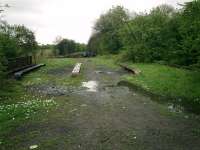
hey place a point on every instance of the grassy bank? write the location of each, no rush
(184, 85)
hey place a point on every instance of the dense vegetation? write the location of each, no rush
(165, 35)
(61, 47)
(15, 41)
(66, 46)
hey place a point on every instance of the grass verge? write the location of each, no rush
(179, 84)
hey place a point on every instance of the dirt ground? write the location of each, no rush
(110, 117)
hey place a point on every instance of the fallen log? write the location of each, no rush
(130, 69)
(19, 74)
(76, 69)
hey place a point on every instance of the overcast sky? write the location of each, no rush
(71, 19)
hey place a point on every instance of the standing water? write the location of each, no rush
(91, 86)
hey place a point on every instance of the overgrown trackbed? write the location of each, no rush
(105, 117)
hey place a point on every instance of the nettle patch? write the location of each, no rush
(24, 110)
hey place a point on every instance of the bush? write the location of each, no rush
(15, 41)
(165, 34)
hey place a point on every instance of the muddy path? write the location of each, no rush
(104, 116)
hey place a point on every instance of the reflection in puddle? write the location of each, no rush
(104, 72)
(91, 85)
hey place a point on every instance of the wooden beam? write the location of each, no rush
(130, 69)
(76, 69)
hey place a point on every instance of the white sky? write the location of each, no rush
(72, 19)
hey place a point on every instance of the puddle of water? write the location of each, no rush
(109, 72)
(90, 85)
(104, 72)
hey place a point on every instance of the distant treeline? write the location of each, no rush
(64, 47)
(165, 34)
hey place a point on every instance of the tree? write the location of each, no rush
(25, 39)
(107, 28)
(165, 34)
(190, 33)
(66, 47)
(80, 47)
(142, 36)
(16, 40)
(93, 43)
